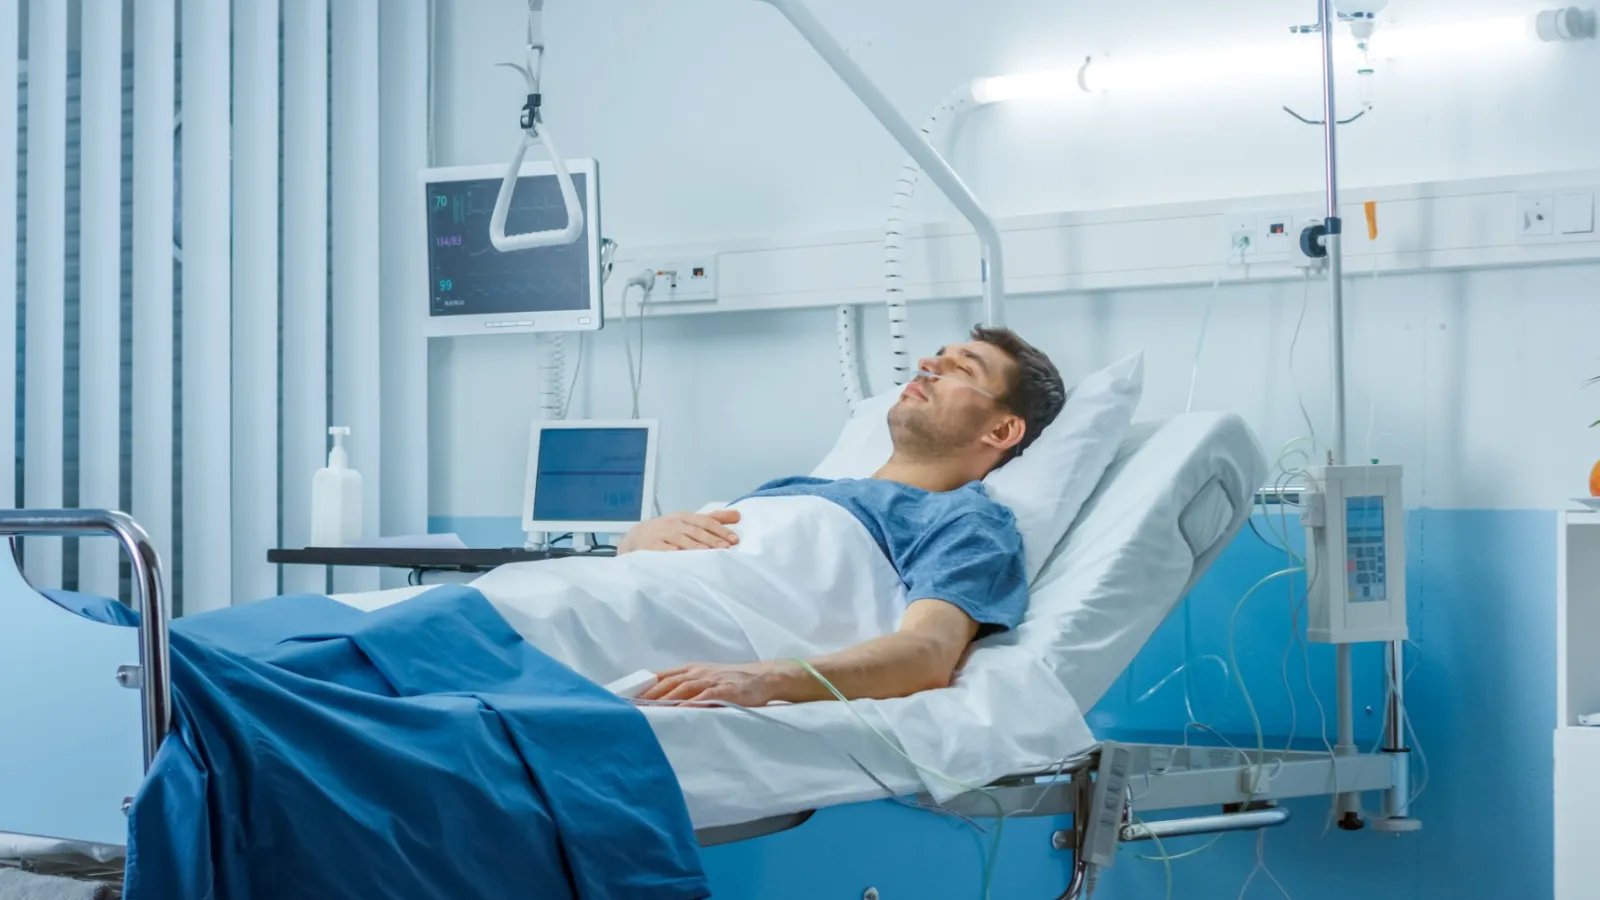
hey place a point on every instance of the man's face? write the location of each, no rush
(956, 411)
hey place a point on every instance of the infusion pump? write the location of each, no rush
(1356, 560)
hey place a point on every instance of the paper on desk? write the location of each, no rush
(451, 541)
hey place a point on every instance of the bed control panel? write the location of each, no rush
(1110, 798)
(1356, 569)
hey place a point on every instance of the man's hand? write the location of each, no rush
(751, 684)
(683, 531)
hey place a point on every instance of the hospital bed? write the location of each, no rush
(96, 699)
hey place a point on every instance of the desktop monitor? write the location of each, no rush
(589, 476)
(474, 288)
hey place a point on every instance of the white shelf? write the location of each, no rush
(1577, 809)
(1577, 748)
(1577, 616)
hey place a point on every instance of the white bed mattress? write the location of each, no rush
(1177, 492)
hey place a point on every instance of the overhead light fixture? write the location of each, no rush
(1032, 86)
(1099, 74)
(1458, 37)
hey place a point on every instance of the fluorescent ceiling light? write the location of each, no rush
(1459, 37)
(1005, 88)
(1104, 74)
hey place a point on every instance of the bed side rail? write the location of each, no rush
(153, 674)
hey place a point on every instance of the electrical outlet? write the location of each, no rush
(685, 279)
(1562, 215)
(1537, 217)
(1241, 236)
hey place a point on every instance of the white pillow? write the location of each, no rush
(1046, 486)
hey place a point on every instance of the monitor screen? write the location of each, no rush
(469, 277)
(591, 475)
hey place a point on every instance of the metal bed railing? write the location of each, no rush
(153, 676)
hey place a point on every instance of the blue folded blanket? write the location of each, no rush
(421, 751)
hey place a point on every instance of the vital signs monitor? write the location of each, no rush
(589, 476)
(474, 288)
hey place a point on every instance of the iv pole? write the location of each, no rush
(1396, 799)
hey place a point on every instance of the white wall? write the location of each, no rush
(714, 122)
(1473, 380)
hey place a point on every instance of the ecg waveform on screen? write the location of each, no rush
(467, 205)
(468, 276)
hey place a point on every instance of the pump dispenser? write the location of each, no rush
(336, 498)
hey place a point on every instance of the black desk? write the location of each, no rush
(469, 561)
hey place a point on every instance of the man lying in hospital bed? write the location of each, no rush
(957, 553)
(880, 583)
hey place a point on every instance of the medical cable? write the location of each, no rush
(1294, 380)
(934, 130)
(645, 281)
(1240, 246)
(1261, 866)
(847, 318)
(638, 385)
(1261, 749)
(554, 364)
(1280, 484)
(1233, 662)
(1000, 814)
(627, 347)
(958, 382)
(1165, 858)
(1415, 742)
(1178, 671)
(577, 370)
(1286, 476)
(889, 793)
(999, 822)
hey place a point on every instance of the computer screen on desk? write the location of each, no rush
(589, 476)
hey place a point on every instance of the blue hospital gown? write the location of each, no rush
(957, 546)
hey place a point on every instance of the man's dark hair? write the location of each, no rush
(1034, 391)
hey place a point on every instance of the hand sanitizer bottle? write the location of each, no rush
(336, 498)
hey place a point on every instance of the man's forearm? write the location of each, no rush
(895, 665)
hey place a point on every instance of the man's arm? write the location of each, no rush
(921, 656)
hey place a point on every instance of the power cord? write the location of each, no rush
(577, 370)
(1241, 246)
(646, 282)
(1294, 343)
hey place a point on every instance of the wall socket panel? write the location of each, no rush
(1562, 216)
(1273, 234)
(687, 279)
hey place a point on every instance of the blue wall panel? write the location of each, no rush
(1482, 697)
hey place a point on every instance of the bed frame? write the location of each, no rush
(116, 683)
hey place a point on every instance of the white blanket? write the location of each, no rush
(806, 578)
